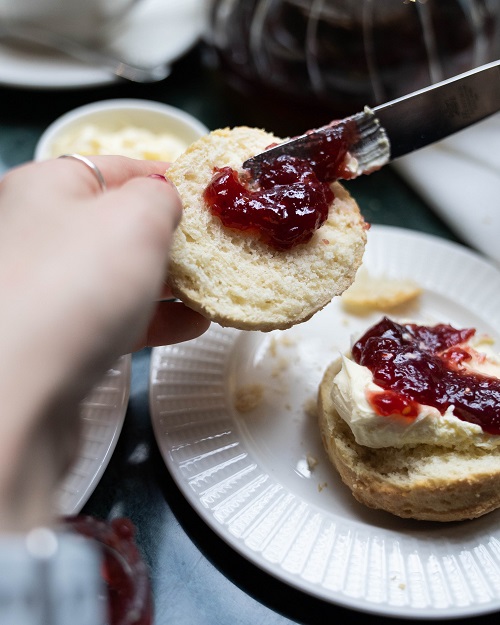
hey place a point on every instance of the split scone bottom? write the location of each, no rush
(237, 280)
(424, 482)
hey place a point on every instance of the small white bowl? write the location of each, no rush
(104, 123)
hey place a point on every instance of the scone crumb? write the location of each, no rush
(286, 341)
(322, 486)
(312, 462)
(281, 366)
(273, 347)
(248, 397)
(369, 292)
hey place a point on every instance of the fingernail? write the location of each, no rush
(159, 177)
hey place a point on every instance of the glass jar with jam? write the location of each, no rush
(127, 589)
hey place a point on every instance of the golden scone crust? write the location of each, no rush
(239, 281)
(424, 482)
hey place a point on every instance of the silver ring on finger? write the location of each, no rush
(90, 165)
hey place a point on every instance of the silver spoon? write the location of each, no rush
(76, 50)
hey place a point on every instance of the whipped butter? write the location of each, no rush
(354, 383)
(130, 141)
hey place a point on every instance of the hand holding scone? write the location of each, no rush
(81, 269)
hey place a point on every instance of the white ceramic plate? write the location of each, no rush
(156, 31)
(252, 476)
(102, 414)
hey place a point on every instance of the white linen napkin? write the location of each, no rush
(459, 178)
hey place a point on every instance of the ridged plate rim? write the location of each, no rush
(102, 414)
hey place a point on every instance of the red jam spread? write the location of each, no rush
(290, 198)
(424, 365)
(329, 155)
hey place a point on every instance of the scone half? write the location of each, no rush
(236, 279)
(423, 482)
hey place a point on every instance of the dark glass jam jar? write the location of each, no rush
(297, 64)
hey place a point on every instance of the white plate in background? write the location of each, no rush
(251, 476)
(156, 31)
(102, 414)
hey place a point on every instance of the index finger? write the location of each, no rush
(116, 170)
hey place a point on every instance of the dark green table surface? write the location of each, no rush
(197, 579)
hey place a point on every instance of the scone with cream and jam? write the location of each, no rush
(265, 253)
(410, 418)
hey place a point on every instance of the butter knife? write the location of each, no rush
(401, 126)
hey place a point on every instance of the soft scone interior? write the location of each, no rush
(238, 280)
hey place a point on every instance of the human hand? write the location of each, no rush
(81, 273)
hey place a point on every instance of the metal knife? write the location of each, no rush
(406, 124)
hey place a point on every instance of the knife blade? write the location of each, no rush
(403, 125)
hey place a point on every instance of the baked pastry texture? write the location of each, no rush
(236, 279)
(424, 482)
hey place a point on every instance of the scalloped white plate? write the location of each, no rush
(262, 481)
(102, 414)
